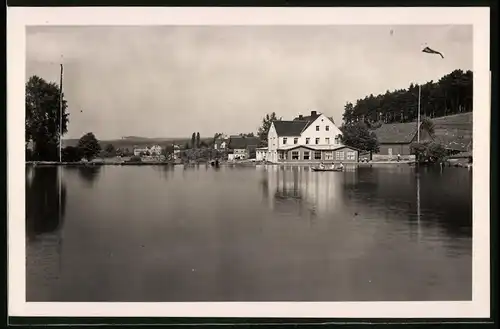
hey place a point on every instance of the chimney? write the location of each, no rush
(313, 113)
(301, 117)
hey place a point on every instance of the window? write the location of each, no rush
(329, 155)
(295, 155)
(317, 140)
(327, 140)
(351, 155)
(306, 155)
(339, 155)
(317, 128)
(337, 139)
(295, 140)
(308, 140)
(317, 155)
(327, 128)
(284, 140)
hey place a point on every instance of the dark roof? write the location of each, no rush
(239, 142)
(396, 133)
(289, 128)
(309, 119)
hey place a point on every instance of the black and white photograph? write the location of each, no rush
(336, 160)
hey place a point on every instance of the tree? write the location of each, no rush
(198, 139)
(450, 95)
(428, 125)
(71, 154)
(43, 119)
(359, 136)
(264, 128)
(203, 144)
(428, 152)
(89, 146)
(193, 140)
(110, 150)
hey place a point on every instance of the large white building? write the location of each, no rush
(313, 138)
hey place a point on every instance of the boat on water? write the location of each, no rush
(327, 169)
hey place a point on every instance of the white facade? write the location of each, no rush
(138, 151)
(222, 146)
(261, 154)
(322, 133)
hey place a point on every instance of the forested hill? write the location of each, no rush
(452, 94)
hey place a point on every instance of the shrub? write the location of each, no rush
(135, 158)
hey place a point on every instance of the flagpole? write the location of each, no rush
(60, 113)
(418, 114)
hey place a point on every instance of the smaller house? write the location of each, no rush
(221, 144)
(396, 138)
(177, 152)
(242, 147)
(140, 151)
(261, 153)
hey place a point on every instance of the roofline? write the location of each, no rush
(311, 147)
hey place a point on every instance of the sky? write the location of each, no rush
(171, 81)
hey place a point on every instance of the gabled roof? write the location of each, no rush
(289, 128)
(239, 142)
(396, 133)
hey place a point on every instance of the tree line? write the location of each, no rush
(452, 94)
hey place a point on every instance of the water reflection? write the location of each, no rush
(428, 198)
(45, 200)
(89, 174)
(252, 234)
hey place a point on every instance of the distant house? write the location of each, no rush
(155, 150)
(221, 144)
(261, 154)
(453, 132)
(242, 147)
(313, 138)
(140, 151)
(396, 138)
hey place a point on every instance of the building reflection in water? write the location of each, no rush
(165, 171)
(45, 212)
(299, 188)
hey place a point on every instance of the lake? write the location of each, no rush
(265, 233)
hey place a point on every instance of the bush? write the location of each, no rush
(135, 158)
(428, 152)
(71, 154)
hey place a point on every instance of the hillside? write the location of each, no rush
(454, 131)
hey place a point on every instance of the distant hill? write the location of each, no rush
(135, 141)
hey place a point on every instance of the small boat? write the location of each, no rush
(327, 169)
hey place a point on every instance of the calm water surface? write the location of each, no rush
(248, 234)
